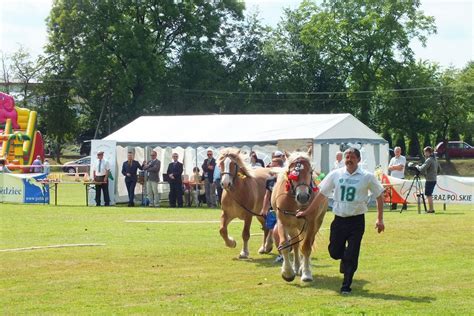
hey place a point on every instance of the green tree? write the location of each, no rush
(364, 38)
(117, 52)
(26, 72)
(454, 102)
(406, 103)
(57, 117)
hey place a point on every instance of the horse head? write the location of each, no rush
(232, 167)
(299, 176)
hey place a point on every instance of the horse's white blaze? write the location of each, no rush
(226, 178)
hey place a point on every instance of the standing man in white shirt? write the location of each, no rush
(339, 163)
(101, 176)
(351, 187)
(397, 169)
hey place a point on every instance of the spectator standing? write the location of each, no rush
(351, 186)
(397, 169)
(430, 169)
(208, 167)
(129, 170)
(101, 175)
(46, 166)
(175, 172)
(152, 178)
(258, 162)
(339, 163)
(36, 165)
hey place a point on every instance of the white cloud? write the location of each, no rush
(22, 22)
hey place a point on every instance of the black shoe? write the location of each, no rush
(345, 290)
(430, 212)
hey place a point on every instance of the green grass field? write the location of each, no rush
(422, 264)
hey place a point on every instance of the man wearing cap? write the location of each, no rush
(101, 174)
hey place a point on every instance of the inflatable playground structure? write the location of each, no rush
(20, 141)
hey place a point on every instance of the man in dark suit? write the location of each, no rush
(129, 170)
(175, 171)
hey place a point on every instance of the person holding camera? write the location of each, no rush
(430, 169)
(397, 169)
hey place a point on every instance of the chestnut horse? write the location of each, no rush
(242, 197)
(292, 192)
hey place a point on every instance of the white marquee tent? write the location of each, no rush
(192, 135)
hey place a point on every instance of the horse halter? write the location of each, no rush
(294, 175)
(232, 175)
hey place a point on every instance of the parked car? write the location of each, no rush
(456, 149)
(80, 165)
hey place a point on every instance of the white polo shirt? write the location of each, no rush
(401, 160)
(104, 166)
(351, 191)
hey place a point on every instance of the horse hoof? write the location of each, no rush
(263, 250)
(288, 278)
(307, 278)
(243, 255)
(232, 243)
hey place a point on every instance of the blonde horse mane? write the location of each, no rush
(235, 154)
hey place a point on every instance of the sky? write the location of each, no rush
(22, 23)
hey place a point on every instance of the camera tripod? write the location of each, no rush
(418, 191)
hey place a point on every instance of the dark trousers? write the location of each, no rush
(219, 190)
(176, 194)
(344, 243)
(131, 191)
(105, 188)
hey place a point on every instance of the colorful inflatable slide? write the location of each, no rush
(20, 141)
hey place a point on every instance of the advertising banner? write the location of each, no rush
(23, 188)
(448, 189)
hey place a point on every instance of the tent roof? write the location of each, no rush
(226, 130)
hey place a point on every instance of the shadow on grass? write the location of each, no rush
(268, 261)
(334, 283)
(448, 213)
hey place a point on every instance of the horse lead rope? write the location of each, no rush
(288, 243)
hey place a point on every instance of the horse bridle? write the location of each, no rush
(233, 176)
(236, 171)
(289, 243)
(299, 166)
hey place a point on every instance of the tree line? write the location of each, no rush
(109, 62)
